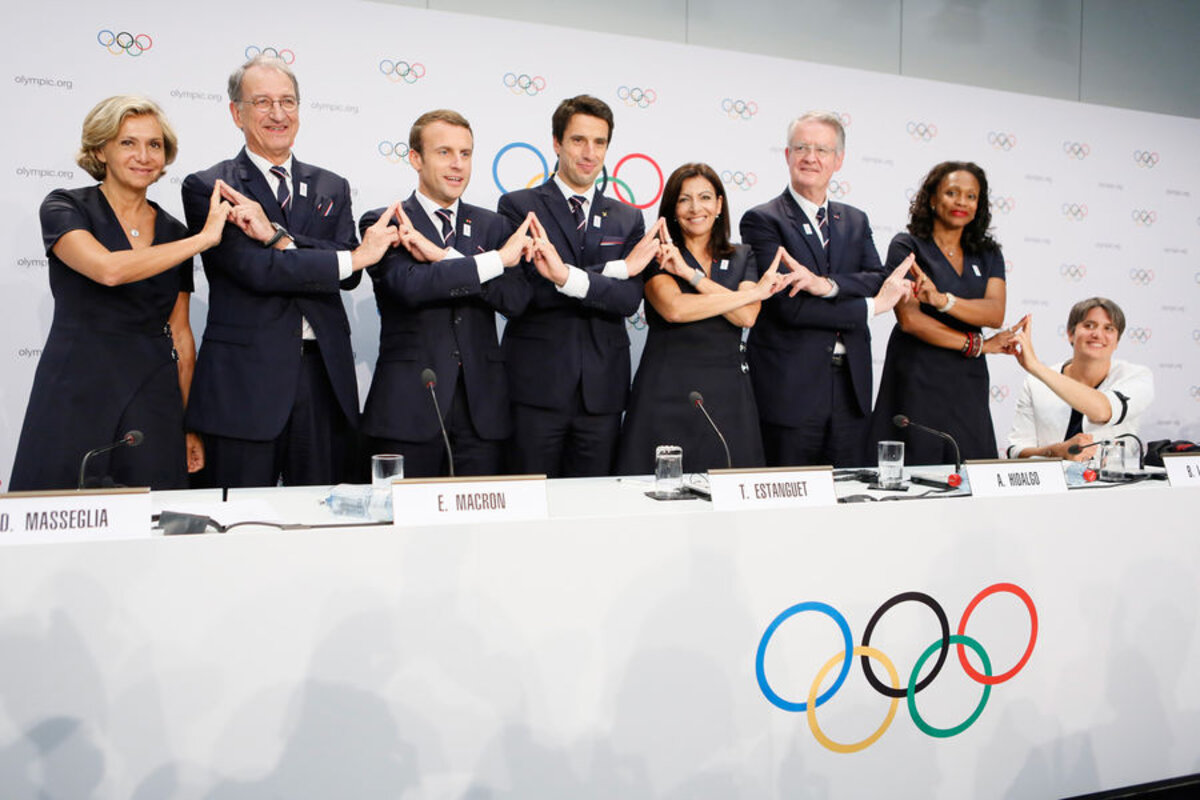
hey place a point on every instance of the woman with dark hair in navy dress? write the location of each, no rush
(934, 372)
(120, 352)
(701, 292)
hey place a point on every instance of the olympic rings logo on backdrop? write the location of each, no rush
(999, 393)
(1005, 205)
(742, 180)
(401, 71)
(1073, 272)
(739, 109)
(531, 85)
(1143, 218)
(921, 131)
(621, 189)
(896, 691)
(637, 97)
(1142, 277)
(910, 193)
(1076, 212)
(1001, 140)
(124, 42)
(1194, 391)
(637, 320)
(1145, 158)
(843, 117)
(1196, 335)
(1077, 150)
(838, 189)
(1139, 335)
(394, 152)
(1008, 266)
(284, 55)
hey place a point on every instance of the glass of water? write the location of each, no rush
(668, 470)
(891, 465)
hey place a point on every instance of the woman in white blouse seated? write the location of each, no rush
(1089, 398)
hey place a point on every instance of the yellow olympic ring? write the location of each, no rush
(814, 690)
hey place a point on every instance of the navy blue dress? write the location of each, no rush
(108, 365)
(706, 356)
(933, 385)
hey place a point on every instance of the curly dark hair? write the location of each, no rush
(718, 245)
(975, 237)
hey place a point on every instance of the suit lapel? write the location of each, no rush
(302, 200)
(255, 185)
(593, 233)
(560, 215)
(837, 234)
(810, 252)
(421, 220)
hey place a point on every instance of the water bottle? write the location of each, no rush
(1079, 473)
(360, 502)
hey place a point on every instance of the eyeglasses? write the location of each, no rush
(263, 105)
(819, 151)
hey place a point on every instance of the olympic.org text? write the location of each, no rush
(187, 94)
(33, 263)
(29, 352)
(28, 80)
(318, 106)
(34, 172)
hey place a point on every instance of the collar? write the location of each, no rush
(430, 208)
(808, 206)
(568, 193)
(264, 166)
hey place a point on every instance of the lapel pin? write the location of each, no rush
(466, 227)
(304, 190)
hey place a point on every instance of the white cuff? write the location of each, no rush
(577, 283)
(870, 308)
(345, 262)
(616, 269)
(832, 292)
(489, 265)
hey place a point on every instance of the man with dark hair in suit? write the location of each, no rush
(275, 394)
(810, 352)
(438, 294)
(568, 354)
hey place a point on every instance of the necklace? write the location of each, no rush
(134, 232)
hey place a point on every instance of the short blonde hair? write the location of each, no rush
(103, 123)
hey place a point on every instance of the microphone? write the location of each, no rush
(130, 439)
(429, 379)
(901, 421)
(697, 399)
(1076, 449)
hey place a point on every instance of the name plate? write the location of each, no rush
(781, 487)
(1183, 469)
(1004, 477)
(453, 501)
(32, 517)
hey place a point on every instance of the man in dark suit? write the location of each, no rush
(810, 352)
(438, 295)
(568, 353)
(274, 393)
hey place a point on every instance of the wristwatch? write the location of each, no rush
(280, 232)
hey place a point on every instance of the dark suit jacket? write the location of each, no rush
(438, 316)
(249, 361)
(560, 341)
(790, 346)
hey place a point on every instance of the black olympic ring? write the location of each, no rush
(999, 393)
(742, 180)
(1141, 335)
(285, 55)
(839, 189)
(1145, 158)
(1075, 211)
(642, 98)
(1004, 205)
(739, 108)
(1078, 150)
(1142, 277)
(124, 42)
(1143, 217)
(390, 150)
(531, 85)
(903, 597)
(1195, 392)
(921, 130)
(1002, 141)
(397, 71)
(1074, 272)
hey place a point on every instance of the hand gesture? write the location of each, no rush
(415, 242)
(247, 214)
(647, 248)
(771, 281)
(672, 262)
(801, 278)
(1022, 343)
(376, 240)
(896, 287)
(924, 288)
(519, 245)
(546, 259)
(218, 215)
(1002, 341)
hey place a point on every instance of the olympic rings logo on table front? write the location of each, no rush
(395, 152)
(739, 109)
(1143, 218)
(637, 97)
(284, 55)
(1142, 277)
(921, 131)
(742, 180)
(531, 85)
(124, 42)
(941, 646)
(1145, 158)
(1077, 150)
(621, 189)
(399, 71)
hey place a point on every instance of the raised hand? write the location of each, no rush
(519, 245)
(415, 242)
(546, 259)
(895, 287)
(246, 214)
(647, 248)
(801, 278)
(218, 215)
(376, 240)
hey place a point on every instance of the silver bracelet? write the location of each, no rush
(697, 276)
(950, 301)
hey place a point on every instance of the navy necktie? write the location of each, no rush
(447, 218)
(576, 201)
(282, 193)
(823, 226)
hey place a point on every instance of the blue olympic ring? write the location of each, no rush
(847, 640)
(523, 146)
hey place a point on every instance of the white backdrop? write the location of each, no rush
(1087, 200)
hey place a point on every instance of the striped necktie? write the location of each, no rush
(282, 193)
(576, 201)
(447, 218)
(823, 226)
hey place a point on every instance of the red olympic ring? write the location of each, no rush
(662, 183)
(975, 674)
